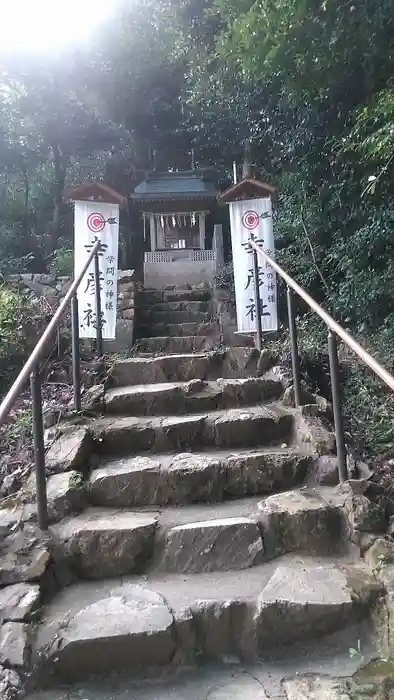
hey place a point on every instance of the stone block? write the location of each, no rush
(327, 473)
(18, 601)
(303, 603)
(300, 521)
(128, 314)
(213, 545)
(125, 276)
(97, 543)
(24, 551)
(14, 644)
(247, 428)
(129, 629)
(71, 450)
(180, 433)
(125, 483)
(192, 478)
(66, 493)
(127, 287)
(265, 472)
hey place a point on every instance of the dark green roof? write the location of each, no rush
(192, 184)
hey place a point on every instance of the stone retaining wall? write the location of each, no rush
(54, 289)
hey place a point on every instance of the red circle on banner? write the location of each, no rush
(96, 222)
(250, 220)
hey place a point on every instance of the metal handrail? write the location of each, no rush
(32, 369)
(370, 361)
(335, 330)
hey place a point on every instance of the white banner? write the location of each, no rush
(246, 217)
(93, 221)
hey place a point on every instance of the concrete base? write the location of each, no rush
(159, 275)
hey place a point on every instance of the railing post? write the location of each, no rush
(257, 302)
(336, 403)
(99, 328)
(39, 449)
(76, 353)
(295, 360)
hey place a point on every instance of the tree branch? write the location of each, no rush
(318, 270)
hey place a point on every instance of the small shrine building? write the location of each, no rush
(175, 207)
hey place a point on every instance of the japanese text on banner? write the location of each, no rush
(253, 216)
(97, 221)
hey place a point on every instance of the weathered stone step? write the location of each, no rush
(243, 427)
(187, 397)
(103, 543)
(173, 345)
(170, 316)
(173, 306)
(231, 363)
(234, 535)
(150, 297)
(136, 623)
(195, 477)
(176, 329)
(321, 674)
(242, 533)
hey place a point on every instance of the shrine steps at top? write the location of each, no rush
(176, 345)
(175, 321)
(229, 363)
(146, 297)
(177, 330)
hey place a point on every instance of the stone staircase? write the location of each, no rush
(201, 535)
(179, 321)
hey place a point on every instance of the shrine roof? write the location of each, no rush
(190, 184)
(97, 191)
(248, 188)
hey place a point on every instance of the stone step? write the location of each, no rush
(195, 477)
(173, 306)
(236, 535)
(233, 535)
(150, 297)
(138, 624)
(167, 316)
(189, 397)
(311, 672)
(231, 363)
(176, 329)
(243, 427)
(175, 346)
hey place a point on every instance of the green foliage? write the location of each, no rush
(12, 306)
(225, 279)
(62, 263)
(15, 320)
(21, 426)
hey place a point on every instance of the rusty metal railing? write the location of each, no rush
(334, 331)
(32, 370)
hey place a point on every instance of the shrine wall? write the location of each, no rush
(159, 275)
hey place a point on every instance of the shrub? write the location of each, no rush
(225, 280)
(62, 263)
(15, 317)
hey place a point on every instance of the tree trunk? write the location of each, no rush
(26, 198)
(59, 183)
(247, 169)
